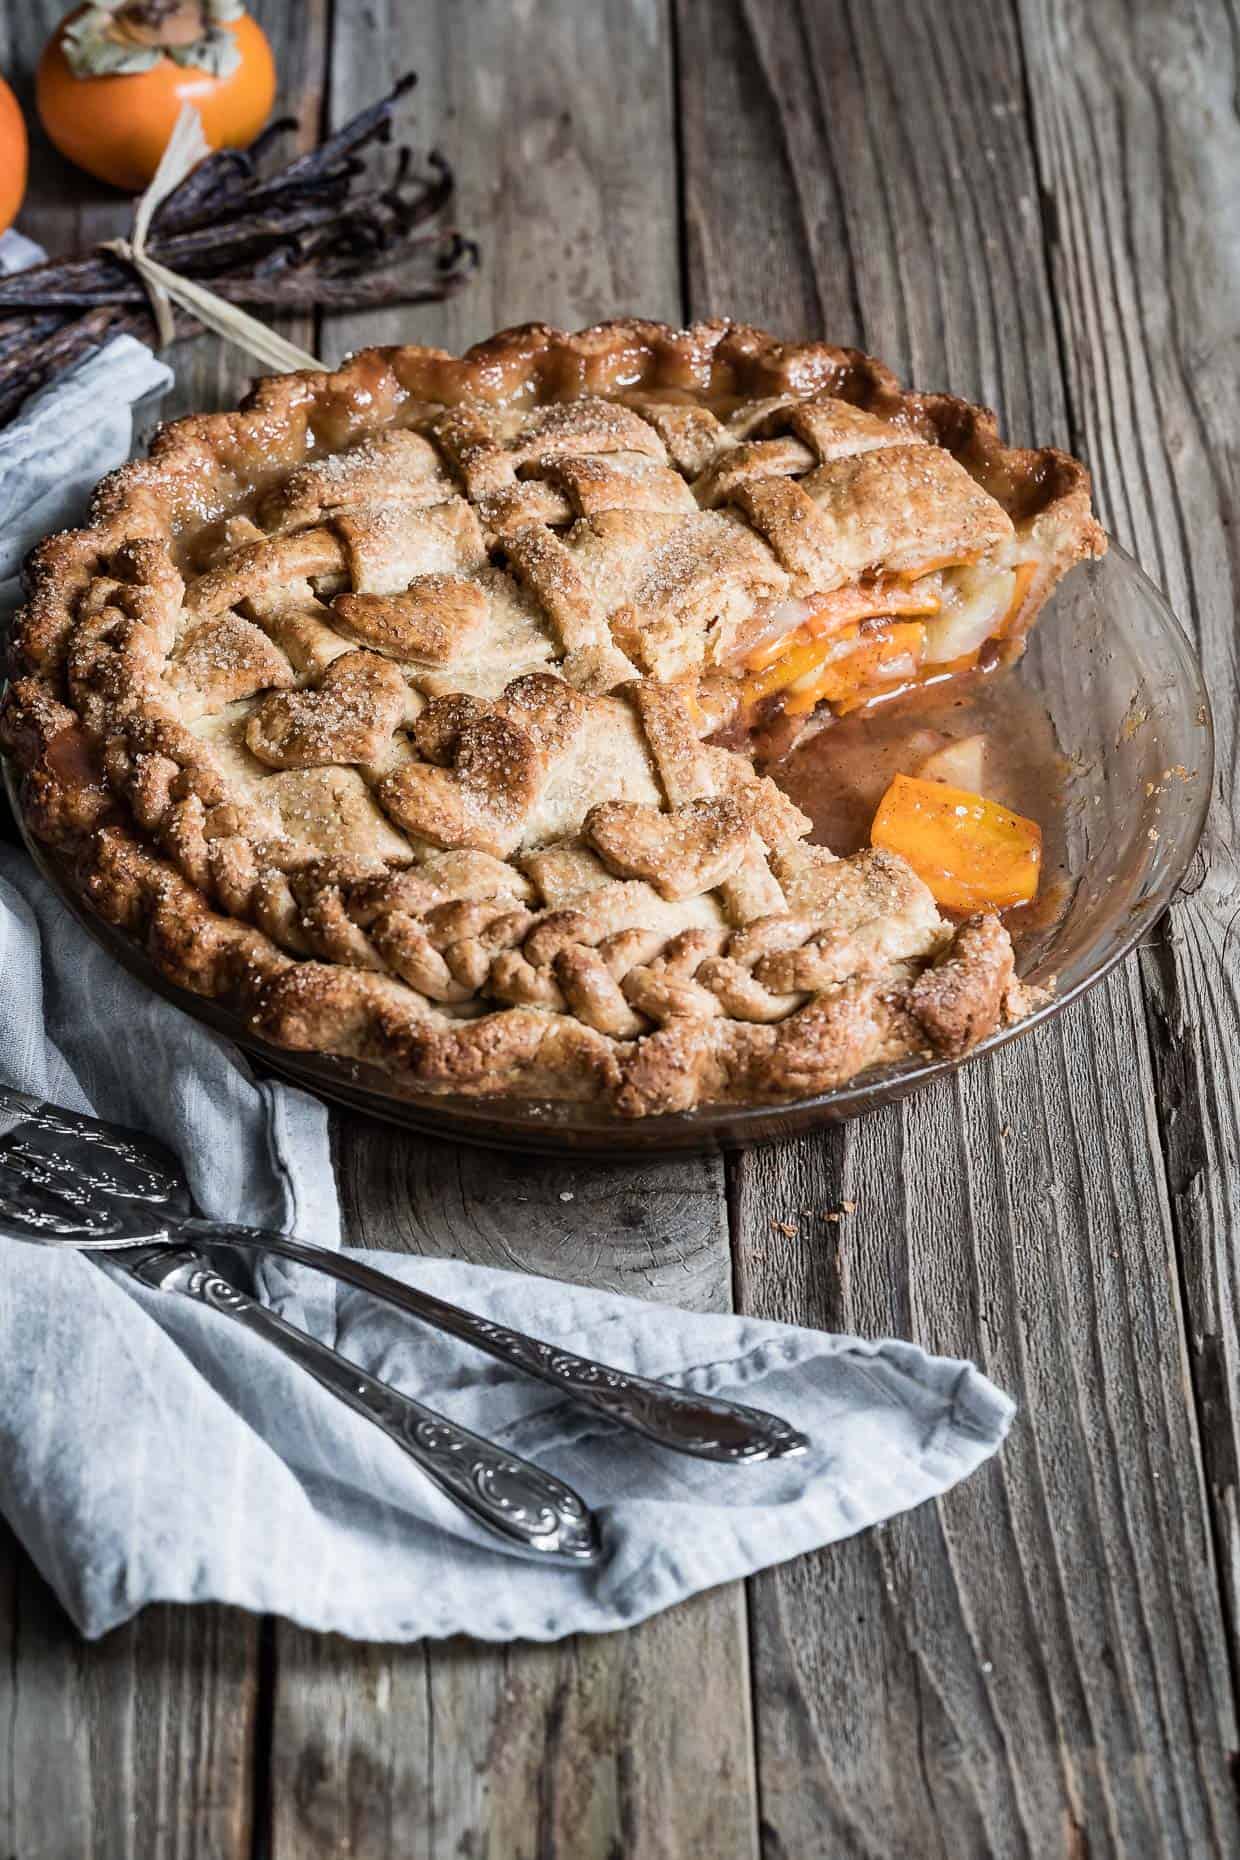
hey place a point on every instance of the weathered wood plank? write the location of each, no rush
(132, 1747)
(1138, 147)
(140, 1746)
(558, 121)
(1037, 1664)
(651, 1230)
(518, 1752)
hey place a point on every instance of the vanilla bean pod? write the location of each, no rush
(311, 234)
(321, 232)
(338, 286)
(29, 370)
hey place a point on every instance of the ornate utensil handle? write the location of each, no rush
(519, 1501)
(703, 1425)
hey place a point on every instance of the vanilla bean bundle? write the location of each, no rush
(323, 232)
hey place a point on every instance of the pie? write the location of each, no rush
(417, 712)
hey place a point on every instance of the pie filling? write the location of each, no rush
(855, 646)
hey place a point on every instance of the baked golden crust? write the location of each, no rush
(373, 709)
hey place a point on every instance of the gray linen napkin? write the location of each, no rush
(151, 1450)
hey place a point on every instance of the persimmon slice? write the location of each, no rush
(839, 612)
(973, 854)
(848, 681)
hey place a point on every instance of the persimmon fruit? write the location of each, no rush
(12, 157)
(116, 125)
(973, 854)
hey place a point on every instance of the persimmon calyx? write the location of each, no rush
(120, 38)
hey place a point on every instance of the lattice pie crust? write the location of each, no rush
(380, 709)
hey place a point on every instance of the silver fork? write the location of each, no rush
(39, 1142)
(122, 1196)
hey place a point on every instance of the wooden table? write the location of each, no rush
(1034, 205)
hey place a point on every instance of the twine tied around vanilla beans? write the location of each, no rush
(187, 145)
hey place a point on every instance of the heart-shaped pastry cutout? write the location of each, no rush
(433, 620)
(486, 764)
(682, 853)
(348, 717)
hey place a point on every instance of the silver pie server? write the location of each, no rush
(120, 1193)
(39, 1142)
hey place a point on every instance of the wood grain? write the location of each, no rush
(141, 1746)
(1139, 150)
(652, 1230)
(518, 1752)
(1038, 1663)
(558, 120)
(136, 1747)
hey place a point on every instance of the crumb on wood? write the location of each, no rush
(836, 1215)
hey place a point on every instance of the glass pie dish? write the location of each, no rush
(1114, 725)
